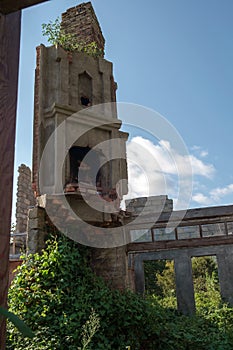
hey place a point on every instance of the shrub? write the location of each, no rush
(55, 292)
(67, 306)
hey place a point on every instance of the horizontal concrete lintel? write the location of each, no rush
(158, 220)
(175, 253)
(84, 116)
(178, 244)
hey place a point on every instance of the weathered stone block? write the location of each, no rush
(25, 197)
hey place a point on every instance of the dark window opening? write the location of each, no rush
(84, 171)
(85, 101)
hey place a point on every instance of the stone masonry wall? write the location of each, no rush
(25, 198)
(58, 83)
(154, 204)
(112, 265)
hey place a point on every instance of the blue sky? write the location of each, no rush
(175, 57)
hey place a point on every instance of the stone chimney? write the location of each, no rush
(82, 22)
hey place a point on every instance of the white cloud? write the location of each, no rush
(215, 195)
(199, 151)
(156, 169)
(195, 148)
(204, 154)
(201, 199)
(160, 169)
(200, 168)
(168, 159)
(220, 192)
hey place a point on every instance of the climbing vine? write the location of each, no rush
(68, 307)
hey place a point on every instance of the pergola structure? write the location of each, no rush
(10, 26)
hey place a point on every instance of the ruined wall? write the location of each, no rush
(25, 198)
(183, 271)
(66, 83)
(149, 205)
(83, 23)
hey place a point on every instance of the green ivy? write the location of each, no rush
(55, 292)
(68, 307)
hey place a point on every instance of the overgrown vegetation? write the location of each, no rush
(68, 307)
(69, 42)
(160, 276)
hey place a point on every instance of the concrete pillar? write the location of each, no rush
(139, 276)
(111, 265)
(36, 230)
(225, 273)
(184, 284)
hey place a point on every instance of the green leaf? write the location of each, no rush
(22, 327)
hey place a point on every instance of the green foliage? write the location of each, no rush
(55, 293)
(19, 324)
(160, 276)
(211, 328)
(68, 307)
(203, 269)
(166, 279)
(69, 42)
(89, 329)
(151, 270)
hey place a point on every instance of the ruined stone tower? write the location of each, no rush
(66, 85)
